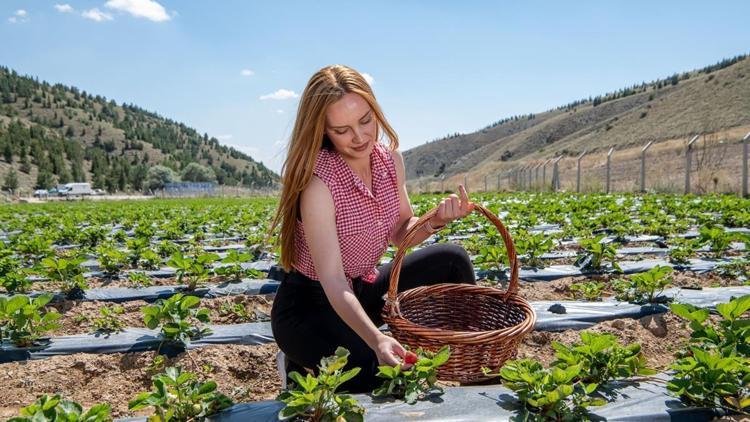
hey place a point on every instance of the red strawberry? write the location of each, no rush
(410, 358)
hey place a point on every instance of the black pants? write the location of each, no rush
(307, 328)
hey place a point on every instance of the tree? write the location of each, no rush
(11, 180)
(8, 153)
(195, 172)
(158, 176)
(44, 180)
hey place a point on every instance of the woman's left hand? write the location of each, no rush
(452, 208)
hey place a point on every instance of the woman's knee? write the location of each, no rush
(462, 270)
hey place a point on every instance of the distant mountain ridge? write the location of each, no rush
(707, 100)
(53, 134)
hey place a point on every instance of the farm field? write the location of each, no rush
(96, 298)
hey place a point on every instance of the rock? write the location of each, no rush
(557, 309)
(655, 324)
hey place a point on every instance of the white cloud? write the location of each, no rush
(225, 137)
(19, 16)
(282, 94)
(64, 8)
(96, 15)
(370, 80)
(148, 9)
(247, 72)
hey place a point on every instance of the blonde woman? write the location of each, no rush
(343, 201)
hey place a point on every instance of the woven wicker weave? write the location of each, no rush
(482, 325)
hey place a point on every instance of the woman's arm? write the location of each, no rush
(319, 217)
(448, 210)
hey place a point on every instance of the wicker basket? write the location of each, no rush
(482, 325)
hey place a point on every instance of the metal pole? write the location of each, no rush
(744, 164)
(643, 165)
(609, 160)
(556, 174)
(578, 172)
(529, 174)
(688, 159)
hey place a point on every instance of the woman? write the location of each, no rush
(343, 201)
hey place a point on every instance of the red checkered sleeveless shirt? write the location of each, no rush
(364, 219)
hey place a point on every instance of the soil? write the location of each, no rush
(660, 336)
(78, 316)
(243, 373)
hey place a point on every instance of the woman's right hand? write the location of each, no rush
(389, 351)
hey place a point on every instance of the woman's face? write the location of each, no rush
(351, 126)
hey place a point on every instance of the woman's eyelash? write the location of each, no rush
(341, 133)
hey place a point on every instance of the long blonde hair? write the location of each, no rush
(324, 88)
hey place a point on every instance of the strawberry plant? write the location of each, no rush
(109, 320)
(718, 239)
(54, 409)
(177, 396)
(715, 371)
(236, 311)
(590, 290)
(531, 246)
(601, 358)
(67, 272)
(416, 382)
(681, 250)
(597, 253)
(192, 270)
(177, 316)
(13, 278)
(553, 393)
(111, 260)
(491, 258)
(23, 320)
(139, 279)
(644, 287)
(315, 398)
(233, 268)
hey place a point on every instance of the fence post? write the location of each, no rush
(609, 161)
(466, 185)
(744, 164)
(485, 183)
(544, 173)
(578, 172)
(643, 165)
(688, 162)
(498, 182)
(556, 174)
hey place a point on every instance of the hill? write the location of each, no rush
(711, 100)
(52, 134)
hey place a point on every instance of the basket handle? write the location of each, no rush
(392, 302)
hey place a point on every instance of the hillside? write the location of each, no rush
(706, 101)
(53, 134)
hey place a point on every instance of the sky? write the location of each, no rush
(235, 69)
